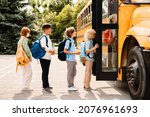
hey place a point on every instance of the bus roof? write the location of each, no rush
(90, 2)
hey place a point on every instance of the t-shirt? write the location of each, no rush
(70, 57)
(48, 48)
(88, 46)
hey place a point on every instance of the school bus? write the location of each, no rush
(127, 59)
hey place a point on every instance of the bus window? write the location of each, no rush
(109, 50)
(109, 7)
(140, 1)
(89, 9)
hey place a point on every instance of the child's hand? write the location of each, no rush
(77, 53)
(96, 46)
(52, 52)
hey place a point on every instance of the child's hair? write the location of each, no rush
(88, 34)
(46, 26)
(69, 31)
(24, 31)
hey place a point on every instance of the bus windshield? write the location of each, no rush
(140, 1)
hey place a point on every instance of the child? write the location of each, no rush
(27, 71)
(90, 50)
(70, 58)
(46, 60)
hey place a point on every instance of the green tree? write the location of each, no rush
(42, 13)
(58, 5)
(60, 13)
(64, 20)
(68, 17)
(12, 19)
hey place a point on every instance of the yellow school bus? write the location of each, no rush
(127, 59)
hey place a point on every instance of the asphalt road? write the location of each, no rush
(10, 84)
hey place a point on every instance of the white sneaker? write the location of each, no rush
(72, 88)
(75, 87)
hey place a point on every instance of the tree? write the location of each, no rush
(58, 5)
(60, 13)
(42, 13)
(64, 20)
(68, 17)
(12, 19)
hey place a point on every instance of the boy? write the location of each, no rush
(70, 58)
(46, 60)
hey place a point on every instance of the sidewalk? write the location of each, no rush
(10, 83)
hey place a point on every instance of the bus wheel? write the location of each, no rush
(136, 73)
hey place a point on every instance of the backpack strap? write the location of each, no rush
(45, 38)
(69, 44)
(88, 53)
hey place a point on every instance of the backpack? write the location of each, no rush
(83, 53)
(21, 57)
(37, 51)
(61, 46)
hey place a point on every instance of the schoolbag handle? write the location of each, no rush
(69, 44)
(45, 38)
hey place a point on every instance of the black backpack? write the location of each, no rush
(61, 54)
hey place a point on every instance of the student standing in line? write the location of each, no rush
(27, 71)
(90, 50)
(70, 57)
(46, 60)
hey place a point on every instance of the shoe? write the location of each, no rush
(47, 90)
(50, 87)
(72, 88)
(87, 88)
(75, 87)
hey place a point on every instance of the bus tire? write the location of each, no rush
(136, 73)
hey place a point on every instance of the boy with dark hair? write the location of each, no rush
(45, 61)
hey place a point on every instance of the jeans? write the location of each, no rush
(45, 65)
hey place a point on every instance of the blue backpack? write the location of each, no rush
(83, 53)
(37, 51)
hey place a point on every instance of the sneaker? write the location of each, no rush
(87, 88)
(50, 87)
(47, 90)
(75, 87)
(72, 88)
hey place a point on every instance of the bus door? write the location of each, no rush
(104, 21)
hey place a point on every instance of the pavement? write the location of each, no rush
(10, 83)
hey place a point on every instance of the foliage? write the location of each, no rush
(14, 14)
(64, 20)
(12, 19)
(60, 13)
